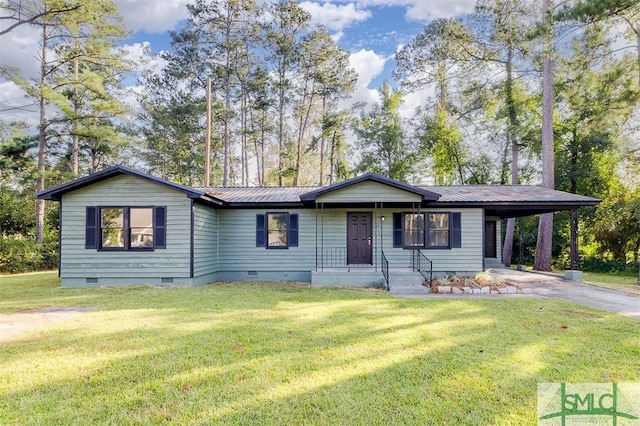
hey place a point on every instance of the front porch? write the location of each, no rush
(333, 268)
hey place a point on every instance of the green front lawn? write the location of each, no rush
(262, 353)
(625, 283)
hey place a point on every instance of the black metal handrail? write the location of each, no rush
(385, 269)
(422, 264)
(333, 257)
(336, 257)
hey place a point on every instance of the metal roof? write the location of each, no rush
(463, 194)
(504, 194)
(496, 200)
(263, 194)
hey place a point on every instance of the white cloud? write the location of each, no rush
(152, 16)
(368, 64)
(140, 54)
(413, 101)
(335, 17)
(16, 106)
(20, 50)
(421, 10)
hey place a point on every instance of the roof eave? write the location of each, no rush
(310, 197)
(55, 193)
(506, 210)
(270, 204)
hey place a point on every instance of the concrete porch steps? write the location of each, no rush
(407, 283)
(493, 263)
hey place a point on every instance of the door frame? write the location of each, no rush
(494, 236)
(370, 237)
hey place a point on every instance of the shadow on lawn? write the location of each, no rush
(269, 354)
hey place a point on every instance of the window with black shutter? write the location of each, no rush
(117, 228)
(277, 230)
(428, 230)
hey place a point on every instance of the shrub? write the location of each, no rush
(20, 253)
(609, 266)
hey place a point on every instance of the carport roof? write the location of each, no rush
(511, 200)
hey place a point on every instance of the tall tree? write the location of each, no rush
(283, 37)
(260, 123)
(502, 35)
(173, 130)
(23, 12)
(89, 79)
(595, 9)
(542, 261)
(80, 25)
(325, 78)
(440, 139)
(221, 29)
(435, 59)
(335, 80)
(595, 98)
(334, 140)
(381, 139)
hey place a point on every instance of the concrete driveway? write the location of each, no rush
(553, 286)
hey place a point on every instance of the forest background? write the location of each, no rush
(516, 92)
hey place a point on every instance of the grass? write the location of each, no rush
(625, 283)
(264, 353)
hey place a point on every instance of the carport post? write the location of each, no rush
(575, 259)
(574, 274)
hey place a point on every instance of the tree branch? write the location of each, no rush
(32, 20)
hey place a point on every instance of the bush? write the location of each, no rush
(608, 266)
(22, 254)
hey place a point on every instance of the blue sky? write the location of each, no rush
(370, 30)
(381, 30)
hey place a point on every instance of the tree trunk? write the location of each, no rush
(332, 159)
(243, 133)
(545, 228)
(42, 139)
(227, 115)
(75, 149)
(507, 249)
(281, 105)
(321, 156)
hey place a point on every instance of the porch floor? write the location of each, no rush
(361, 269)
(367, 276)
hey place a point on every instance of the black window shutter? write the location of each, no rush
(160, 227)
(260, 230)
(456, 230)
(293, 230)
(397, 229)
(91, 229)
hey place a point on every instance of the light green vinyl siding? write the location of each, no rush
(238, 251)
(237, 241)
(369, 192)
(78, 262)
(467, 258)
(205, 241)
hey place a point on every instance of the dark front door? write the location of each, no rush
(359, 239)
(490, 239)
